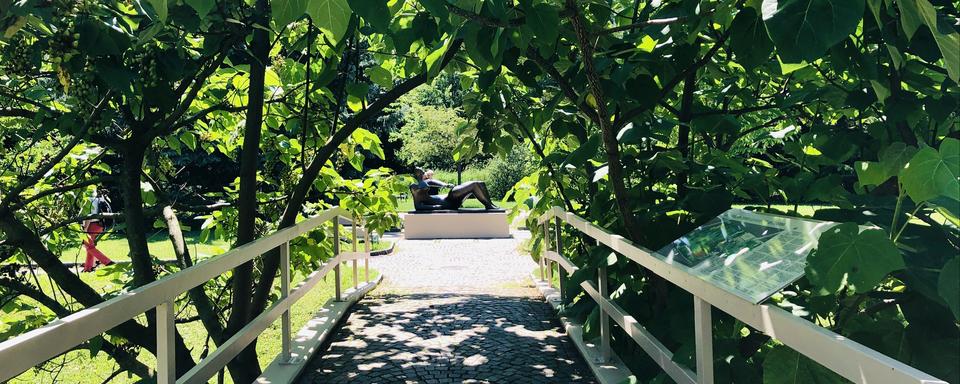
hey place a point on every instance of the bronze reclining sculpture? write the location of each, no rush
(423, 201)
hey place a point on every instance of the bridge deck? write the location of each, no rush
(452, 311)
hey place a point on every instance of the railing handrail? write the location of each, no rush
(841, 355)
(59, 336)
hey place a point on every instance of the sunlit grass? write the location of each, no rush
(115, 246)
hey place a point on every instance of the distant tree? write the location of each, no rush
(428, 136)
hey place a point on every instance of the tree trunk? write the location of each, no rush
(615, 169)
(134, 217)
(205, 308)
(246, 367)
(683, 138)
(136, 233)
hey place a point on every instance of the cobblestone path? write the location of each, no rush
(451, 311)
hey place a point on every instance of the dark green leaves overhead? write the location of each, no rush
(749, 40)
(202, 7)
(436, 7)
(97, 39)
(803, 30)
(915, 13)
(845, 254)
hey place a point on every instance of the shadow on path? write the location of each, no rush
(450, 337)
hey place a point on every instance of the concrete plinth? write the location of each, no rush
(456, 225)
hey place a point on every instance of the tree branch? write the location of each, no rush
(17, 112)
(563, 84)
(61, 189)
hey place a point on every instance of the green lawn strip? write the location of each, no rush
(79, 367)
(117, 249)
(115, 246)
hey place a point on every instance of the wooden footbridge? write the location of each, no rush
(449, 311)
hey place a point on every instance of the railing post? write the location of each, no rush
(561, 285)
(336, 257)
(546, 247)
(602, 284)
(543, 256)
(356, 272)
(366, 258)
(703, 332)
(285, 356)
(166, 343)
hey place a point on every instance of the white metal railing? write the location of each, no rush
(29, 349)
(835, 352)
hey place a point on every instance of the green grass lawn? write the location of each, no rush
(79, 367)
(117, 249)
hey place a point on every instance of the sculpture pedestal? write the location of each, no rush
(456, 225)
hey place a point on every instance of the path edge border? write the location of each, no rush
(307, 343)
(613, 371)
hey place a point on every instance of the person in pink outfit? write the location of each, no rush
(94, 227)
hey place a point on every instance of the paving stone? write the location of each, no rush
(462, 311)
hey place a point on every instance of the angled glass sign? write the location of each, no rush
(750, 254)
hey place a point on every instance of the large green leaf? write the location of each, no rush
(544, 20)
(437, 8)
(434, 60)
(161, 8)
(931, 173)
(202, 7)
(375, 13)
(803, 30)
(914, 13)
(949, 285)
(379, 75)
(892, 160)
(785, 366)
(846, 254)
(286, 11)
(331, 16)
(749, 40)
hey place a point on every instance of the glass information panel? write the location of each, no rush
(750, 254)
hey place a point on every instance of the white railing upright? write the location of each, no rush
(25, 351)
(846, 357)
